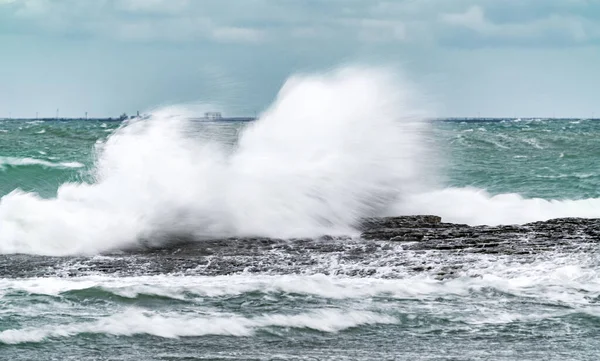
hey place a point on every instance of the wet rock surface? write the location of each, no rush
(430, 233)
(387, 247)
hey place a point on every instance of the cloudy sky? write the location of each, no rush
(468, 57)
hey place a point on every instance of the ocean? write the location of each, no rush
(94, 216)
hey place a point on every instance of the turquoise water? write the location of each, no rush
(40, 156)
(345, 304)
(544, 158)
(547, 159)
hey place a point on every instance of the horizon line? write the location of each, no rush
(447, 118)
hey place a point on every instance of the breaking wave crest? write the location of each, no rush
(136, 322)
(475, 206)
(23, 162)
(332, 149)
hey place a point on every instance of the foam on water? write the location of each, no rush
(137, 321)
(493, 291)
(477, 207)
(570, 278)
(17, 162)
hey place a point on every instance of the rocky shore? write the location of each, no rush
(390, 247)
(430, 233)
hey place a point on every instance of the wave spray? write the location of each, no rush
(332, 149)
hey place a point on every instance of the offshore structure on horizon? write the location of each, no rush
(218, 117)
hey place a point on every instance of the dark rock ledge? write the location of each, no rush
(430, 233)
(418, 233)
(396, 244)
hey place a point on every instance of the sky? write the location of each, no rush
(524, 58)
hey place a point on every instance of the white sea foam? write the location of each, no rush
(16, 162)
(570, 279)
(476, 206)
(227, 286)
(493, 290)
(136, 321)
(331, 149)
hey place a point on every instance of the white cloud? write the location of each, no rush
(473, 18)
(180, 30)
(237, 34)
(546, 30)
(381, 30)
(32, 8)
(153, 6)
(428, 22)
(306, 31)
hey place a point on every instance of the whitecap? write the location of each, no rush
(16, 162)
(138, 321)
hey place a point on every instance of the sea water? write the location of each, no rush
(331, 150)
